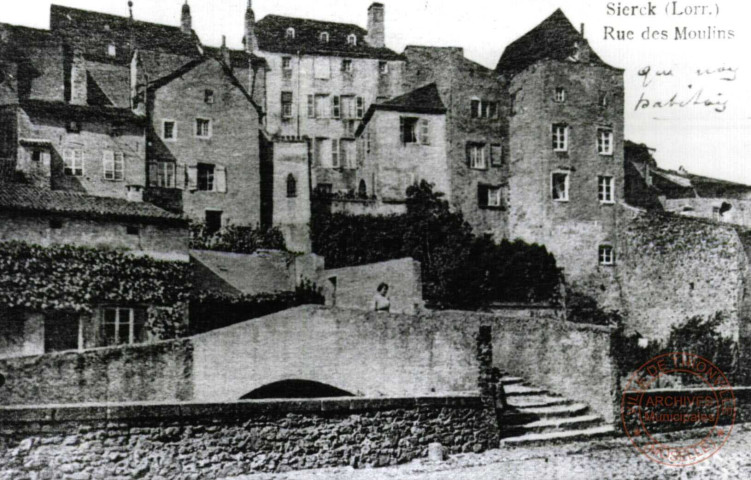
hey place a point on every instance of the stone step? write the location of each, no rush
(511, 380)
(532, 401)
(558, 424)
(556, 411)
(516, 390)
(553, 437)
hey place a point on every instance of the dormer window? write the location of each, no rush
(112, 51)
(352, 39)
(290, 34)
(324, 37)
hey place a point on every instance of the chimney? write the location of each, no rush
(376, 26)
(582, 29)
(186, 24)
(251, 41)
(78, 78)
(225, 52)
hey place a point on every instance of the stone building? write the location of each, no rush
(565, 134)
(476, 133)
(401, 142)
(322, 78)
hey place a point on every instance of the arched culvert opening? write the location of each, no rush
(296, 389)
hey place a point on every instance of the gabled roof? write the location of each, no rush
(272, 29)
(24, 198)
(425, 99)
(553, 39)
(94, 32)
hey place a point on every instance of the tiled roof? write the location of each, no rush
(82, 112)
(271, 32)
(237, 58)
(19, 197)
(555, 39)
(94, 32)
(14, 41)
(425, 99)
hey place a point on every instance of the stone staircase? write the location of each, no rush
(536, 416)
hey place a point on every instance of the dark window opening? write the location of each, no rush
(208, 96)
(408, 127)
(291, 186)
(56, 224)
(296, 389)
(132, 230)
(36, 155)
(213, 221)
(205, 177)
(73, 127)
(60, 332)
(362, 189)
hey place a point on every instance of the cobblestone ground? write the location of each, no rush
(613, 458)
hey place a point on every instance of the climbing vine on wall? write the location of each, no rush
(67, 278)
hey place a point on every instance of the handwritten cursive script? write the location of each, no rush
(690, 99)
(709, 78)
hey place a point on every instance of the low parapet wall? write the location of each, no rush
(187, 441)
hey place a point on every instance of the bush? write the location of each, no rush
(459, 270)
(236, 239)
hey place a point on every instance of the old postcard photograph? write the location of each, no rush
(413, 239)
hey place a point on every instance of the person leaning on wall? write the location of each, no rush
(381, 301)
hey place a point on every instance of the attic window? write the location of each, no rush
(352, 39)
(112, 50)
(324, 37)
(290, 34)
(208, 96)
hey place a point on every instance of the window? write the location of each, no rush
(606, 189)
(112, 50)
(603, 99)
(560, 138)
(383, 68)
(348, 154)
(560, 95)
(208, 96)
(73, 161)
(73, 127)
(352, 39)
(489, 196)
(324, 37)
(350, 127)
(113, 165)
(56, 224)
(560, 184)
(360, 107)
(347, 66)
(349, 107)
(36, 155)
(369, 141)
(484, 108)
(311, 107)
(286, 104)
(408, 130)
(162, 174)
(335, 159)
(605, 141)
(290, 34)
(322, 68)
(607, 255)
(287, 67)
(476, 156)
(61, 332)
(203, 128)
(425, 131)
(291, 186)
(205, 177)
(336, 106)
(213, 221)
(123, 326)
(169, 130)
(132, 230)
(362, 189)
(322, 106)
(496, 155)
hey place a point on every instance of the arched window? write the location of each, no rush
(324, 37)
(291, 186)
(352, 39)
(362, 189)
(290, 35)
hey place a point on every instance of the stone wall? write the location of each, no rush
(158, 372)
(354, 287)
(291, 207)
(192, 441)
(160, 240)
(673, 268)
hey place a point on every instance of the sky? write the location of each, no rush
(713, 140)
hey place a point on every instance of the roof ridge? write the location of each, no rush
(274, 15)
(118, 17)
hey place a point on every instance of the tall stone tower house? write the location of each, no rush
(565, 130)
